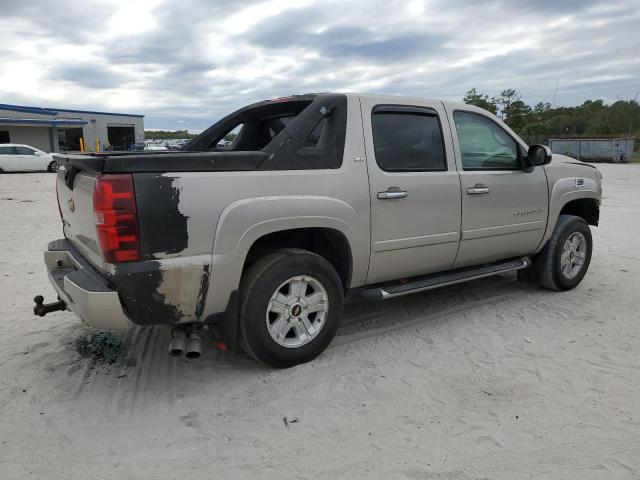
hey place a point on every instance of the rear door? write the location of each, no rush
(8, 158)
(504, 207)
(28, 160)
(414, 188)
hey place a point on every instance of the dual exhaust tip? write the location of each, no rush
(189, 344)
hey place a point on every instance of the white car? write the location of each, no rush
(154, 146)
(23, 158)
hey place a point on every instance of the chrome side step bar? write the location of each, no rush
(388, 290)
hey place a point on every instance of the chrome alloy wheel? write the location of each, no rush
(297, 311)
(574, 252)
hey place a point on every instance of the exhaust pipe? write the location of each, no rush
(178, 342)
(194, 348)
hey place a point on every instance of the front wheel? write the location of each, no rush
(53, 166)
(291, 307)
(565, 259)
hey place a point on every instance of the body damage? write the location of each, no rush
(197, 227)
(200, 213)
(171, 285)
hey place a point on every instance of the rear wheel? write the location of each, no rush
(53, 166)
(565, 259)
(291, 306)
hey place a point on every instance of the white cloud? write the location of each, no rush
(195, 60)
(132, 18)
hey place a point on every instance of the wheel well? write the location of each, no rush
(326, 242)
(586, 208)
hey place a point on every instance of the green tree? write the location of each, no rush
(517, 114)
(480, 100)
(504, 101)
(168, 134)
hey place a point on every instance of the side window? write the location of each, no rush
(408, 141)
(484, 145)
(7, 151)
(229, 138)
(25, 151)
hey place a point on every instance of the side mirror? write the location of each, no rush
(538, 155)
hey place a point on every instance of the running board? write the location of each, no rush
(383, 291)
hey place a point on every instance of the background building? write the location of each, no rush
(57, 129)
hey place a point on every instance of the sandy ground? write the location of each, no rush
(491, 379)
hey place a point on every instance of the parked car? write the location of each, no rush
(319, 199)
(154, 146)
(23, 158)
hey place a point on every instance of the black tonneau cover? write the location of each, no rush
(163, 161)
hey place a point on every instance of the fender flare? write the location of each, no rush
(244, 221)
(563, 192)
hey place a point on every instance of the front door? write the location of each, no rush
(504, 207)
(414, 188)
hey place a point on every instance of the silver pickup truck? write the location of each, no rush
(318, 198)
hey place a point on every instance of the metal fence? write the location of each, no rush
(594, 149)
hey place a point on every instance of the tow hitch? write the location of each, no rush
(41, 309)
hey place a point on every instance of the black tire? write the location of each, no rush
(258, 284)
(549, 260)
(53, 167)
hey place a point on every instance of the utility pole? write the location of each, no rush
(555, 93)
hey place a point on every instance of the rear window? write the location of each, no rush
(405, 142)
(7, 151)
(275, 125)
(24, 151)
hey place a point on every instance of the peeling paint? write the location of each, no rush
(202, 294)
(163, 291)
(180, 288)
(163, 227)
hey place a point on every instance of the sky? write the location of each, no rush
(185, 64)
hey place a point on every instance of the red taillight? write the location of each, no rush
(114, 207)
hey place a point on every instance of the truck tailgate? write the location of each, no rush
(75, 196)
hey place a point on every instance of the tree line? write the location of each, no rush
(168, 134)
(538, 123)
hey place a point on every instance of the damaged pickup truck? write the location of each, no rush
(319, 198)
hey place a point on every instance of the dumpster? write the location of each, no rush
(594, 149)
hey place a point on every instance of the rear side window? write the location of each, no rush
(24, 151)
(484, 145)
(7, 151)
(228, 140)
(406, 141)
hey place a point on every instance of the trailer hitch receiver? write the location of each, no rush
(41, 309)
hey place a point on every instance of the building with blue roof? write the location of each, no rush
(59, 129)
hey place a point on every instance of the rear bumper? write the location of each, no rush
(83, 288)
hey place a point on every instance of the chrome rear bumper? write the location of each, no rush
(83, 288)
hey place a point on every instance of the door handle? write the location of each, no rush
(392, 193)
(478, 189)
